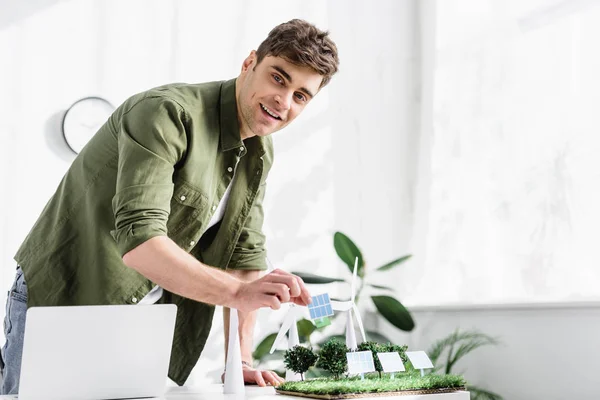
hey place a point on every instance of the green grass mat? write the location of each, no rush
(373, 384)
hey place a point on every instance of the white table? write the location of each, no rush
(215, 392)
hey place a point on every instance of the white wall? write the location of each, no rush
(549, 348)
(344, 165)
(349, 163)
(510, 212)
(547, 352)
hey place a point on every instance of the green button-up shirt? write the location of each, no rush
(158, 166)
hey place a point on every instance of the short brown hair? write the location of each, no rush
(302, 43)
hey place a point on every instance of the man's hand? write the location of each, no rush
(261, 378)
(270, 291)
(258, 377)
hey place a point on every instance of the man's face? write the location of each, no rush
(272, 94)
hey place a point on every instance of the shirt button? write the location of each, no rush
(134, 299)
(229, 169)
(182, 198)
(242, 148)
(192, 243)
(214, 208)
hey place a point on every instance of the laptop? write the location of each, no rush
(96, 352)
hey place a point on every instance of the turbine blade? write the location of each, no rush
(270, 266)
(302, 312)
(290, 318)
(354, 278)
(341, 305)
(350, 334)
(293, 338)
(360, 324)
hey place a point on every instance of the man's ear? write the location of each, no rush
(249, 61)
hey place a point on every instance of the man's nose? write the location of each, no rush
(284, 100)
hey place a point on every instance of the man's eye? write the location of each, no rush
(300, 97)
(277, 79)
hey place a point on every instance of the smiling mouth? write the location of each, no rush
(269, 112)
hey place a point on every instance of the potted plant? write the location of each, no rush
(387, 305)
(453, 348)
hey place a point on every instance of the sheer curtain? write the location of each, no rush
(510, 174)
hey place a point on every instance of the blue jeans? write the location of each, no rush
(14, 330)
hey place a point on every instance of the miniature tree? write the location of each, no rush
(389, 347)
(332, 357)
(382, 348)
(375, 348)
(299, 359)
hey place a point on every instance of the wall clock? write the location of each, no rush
(83, 119)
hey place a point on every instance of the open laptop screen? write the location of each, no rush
(96, 352)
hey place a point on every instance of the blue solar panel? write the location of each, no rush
(320, 306)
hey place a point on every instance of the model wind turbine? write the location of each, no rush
(234, 377)
(350, 308)
(290, 324)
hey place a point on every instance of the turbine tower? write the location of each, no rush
(349, 307)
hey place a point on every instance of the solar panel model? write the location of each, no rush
(320, 309)
(360, 362)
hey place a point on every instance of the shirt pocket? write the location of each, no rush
(188, 206)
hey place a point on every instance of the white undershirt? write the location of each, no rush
(156, 293)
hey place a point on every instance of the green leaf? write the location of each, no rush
(392, 310)
(466, 341)
(393, 263)
(437, 348)
(377, 337)
(305, 329)
(348, 251)
(307, 277)
(468, 347)
(264, 347)
(380, 287)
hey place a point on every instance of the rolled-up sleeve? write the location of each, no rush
(151, 140)
(250, 252)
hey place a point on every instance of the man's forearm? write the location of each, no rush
(247, 320)
(166, 264)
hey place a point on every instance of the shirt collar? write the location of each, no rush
(230, 128)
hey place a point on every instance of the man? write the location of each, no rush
(164, 205)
